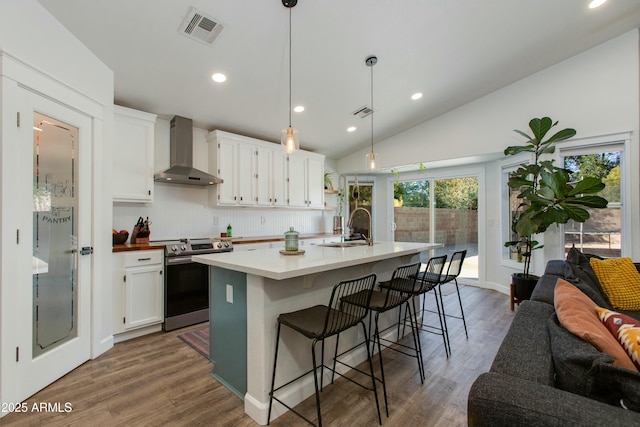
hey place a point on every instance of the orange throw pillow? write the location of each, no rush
(620, 281)
(577, 313)
(626, 329)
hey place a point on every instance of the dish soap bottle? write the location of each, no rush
(229, 230)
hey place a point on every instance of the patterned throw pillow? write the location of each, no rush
(625, 329)
(620, 280)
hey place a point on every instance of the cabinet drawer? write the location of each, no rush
(138, 258)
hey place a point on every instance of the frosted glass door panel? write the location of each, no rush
(54, 234)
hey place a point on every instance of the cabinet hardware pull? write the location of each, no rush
(144, 259)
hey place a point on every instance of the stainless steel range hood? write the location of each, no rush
(181, 157)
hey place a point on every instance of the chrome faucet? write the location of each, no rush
(369, 238)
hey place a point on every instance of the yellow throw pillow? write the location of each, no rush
(620, 281)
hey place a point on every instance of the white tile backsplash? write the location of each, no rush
(183, 211)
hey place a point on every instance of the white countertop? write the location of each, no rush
(272, 264)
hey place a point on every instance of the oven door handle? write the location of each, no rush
(179, 260)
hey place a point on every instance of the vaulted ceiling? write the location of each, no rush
(452, 51)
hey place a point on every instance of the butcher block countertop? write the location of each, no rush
(126, 247)
(236, 241)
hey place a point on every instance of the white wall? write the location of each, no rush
(184, 211)
(596, 92)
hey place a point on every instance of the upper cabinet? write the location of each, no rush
(133, 141)
(306, 180)
(271, 176)
(258, 173)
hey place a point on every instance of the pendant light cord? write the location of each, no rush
(290, 54)
(372, 110)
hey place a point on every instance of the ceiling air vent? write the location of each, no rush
(200, 27)
(363, 112)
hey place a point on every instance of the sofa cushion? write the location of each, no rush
(625, 329)
(497, 400)
(577, 270)
(620, 280)
(584, 370)
(544, 289)
(577, 313)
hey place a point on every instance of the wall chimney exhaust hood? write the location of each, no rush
(181, 157)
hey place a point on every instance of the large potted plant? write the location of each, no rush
(545, 196)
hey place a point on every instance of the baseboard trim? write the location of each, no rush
(135, 333)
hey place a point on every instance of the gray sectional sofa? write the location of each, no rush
(543, 375)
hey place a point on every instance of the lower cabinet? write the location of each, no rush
(138, 292)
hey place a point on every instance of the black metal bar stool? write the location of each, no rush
(323, 321)
(431, 277)
(402, 283)
(453, 271)
(427, 280)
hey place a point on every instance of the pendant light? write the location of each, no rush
(372, 158)
(289, 140)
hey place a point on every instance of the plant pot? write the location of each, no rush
(523, 285)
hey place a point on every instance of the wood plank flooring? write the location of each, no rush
(158, 380)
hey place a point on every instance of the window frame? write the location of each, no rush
(611, 142)
(506, 167)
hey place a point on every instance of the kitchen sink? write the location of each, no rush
(344, 244)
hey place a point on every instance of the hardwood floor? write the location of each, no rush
(158, 380)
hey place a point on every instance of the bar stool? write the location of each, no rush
(431, 277)
(453, 271)
(322, 321)
(403, 283)
(427, 280)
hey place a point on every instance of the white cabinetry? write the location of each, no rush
(133, 141)
(242, 247)
(258, 173)
(138, 291)
(271, 177)
(306, 180)
(225, 161)
(234, 162)
(245, 174)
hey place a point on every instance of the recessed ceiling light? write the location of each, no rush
(298, 108)
(218, 77)
(596, 3)
(351, 129)
(417, 95)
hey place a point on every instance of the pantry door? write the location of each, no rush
(54, 300)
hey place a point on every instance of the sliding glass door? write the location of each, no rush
(442, 211)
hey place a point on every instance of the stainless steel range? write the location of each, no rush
(186, 283)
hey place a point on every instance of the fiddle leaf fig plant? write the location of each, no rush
(545, 193)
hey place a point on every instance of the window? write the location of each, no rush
(601, 234)
(360, 196)
(512, 204)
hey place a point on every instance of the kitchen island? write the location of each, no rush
(249, 290)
